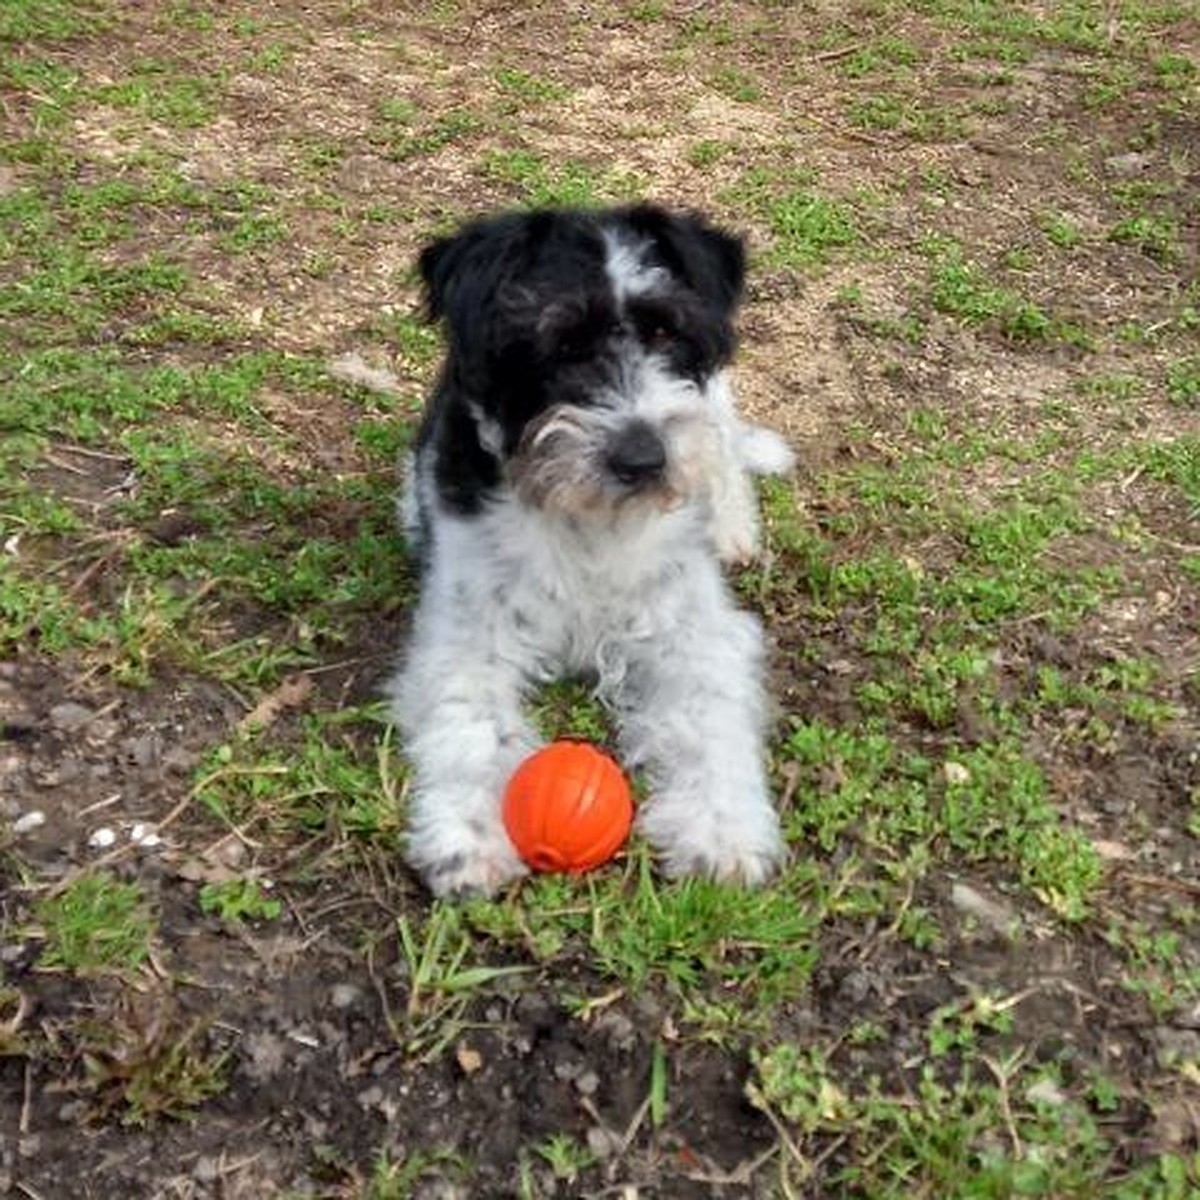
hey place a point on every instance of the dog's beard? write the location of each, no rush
(561, 465)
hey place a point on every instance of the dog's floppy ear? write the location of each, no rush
(711, 261)
(440, 262)
(464, 272)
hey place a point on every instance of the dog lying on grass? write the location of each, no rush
(579, 478)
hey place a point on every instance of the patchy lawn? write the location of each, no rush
(973, 310)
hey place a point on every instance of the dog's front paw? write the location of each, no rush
(742, 847)
(763, 452)
(735, 535)
(465, 861)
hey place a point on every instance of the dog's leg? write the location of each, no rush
(458, 704)
(742, 452)
(692, 713)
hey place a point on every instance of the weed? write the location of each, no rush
(410, 137)
(396, 1180)
(737, 84)
(442, 977)
(95, 924)
(569, 183)
(1061, 230)
(146, 1061)
(48, 20)
(565, 1157)
(161, 95)
(527, 88)
(237, 900)
(1183, 381)
(709, 151)
(1154, 234)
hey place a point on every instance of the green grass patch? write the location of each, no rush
(527, 88)
(686, 935)
(938, 1134)
(569, 183)
(96, 923)
(406, 133)
(23, 21)
(993, 805)
(961, 289)
(158, 92)
(806, 228)
(338, 777)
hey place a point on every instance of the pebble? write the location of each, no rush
(146, 751)
(1176, 1045)
(997, 917)
(603, 1143)
(1045, 1091)
(956, 773)
(34, 819)
(1133, 163)
(344, 995)
(207, 1169)
(102, 838)
(70, 716)
(144, 835)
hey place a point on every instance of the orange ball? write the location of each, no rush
(567, 807)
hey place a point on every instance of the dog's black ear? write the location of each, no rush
(710, 261)
(440, 262)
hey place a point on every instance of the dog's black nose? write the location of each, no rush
(637, 454)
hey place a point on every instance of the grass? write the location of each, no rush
(806, 229)
(980, 592)
(96, 923)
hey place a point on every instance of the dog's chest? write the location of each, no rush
(572, 596)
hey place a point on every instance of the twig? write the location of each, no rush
(27, 1102)
(87, 452)
(841, 52)
(1187, 886)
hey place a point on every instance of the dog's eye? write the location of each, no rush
(573, 345)
(659, 336)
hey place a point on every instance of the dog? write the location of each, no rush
(579, 477)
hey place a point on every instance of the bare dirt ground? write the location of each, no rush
(291, 159)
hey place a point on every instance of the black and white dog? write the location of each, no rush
(579, 477)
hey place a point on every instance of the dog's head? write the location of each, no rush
(581, 348)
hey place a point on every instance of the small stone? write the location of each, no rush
(603, 1143)
(266, 1056)
(70, 716)
(146, 751)
(344, 995)
(1045, 1091)
(34, 819)
(1176, 1046)
(588, 1084)
(619, 1030)
(179, 760)
(469, 1059)
(207, 1169)
(956, 773)
(102, 838)
(993, 915)
(1133, 163)
(1190, 1017)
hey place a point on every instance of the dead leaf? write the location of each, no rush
(293, 692)
(469, 1059)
